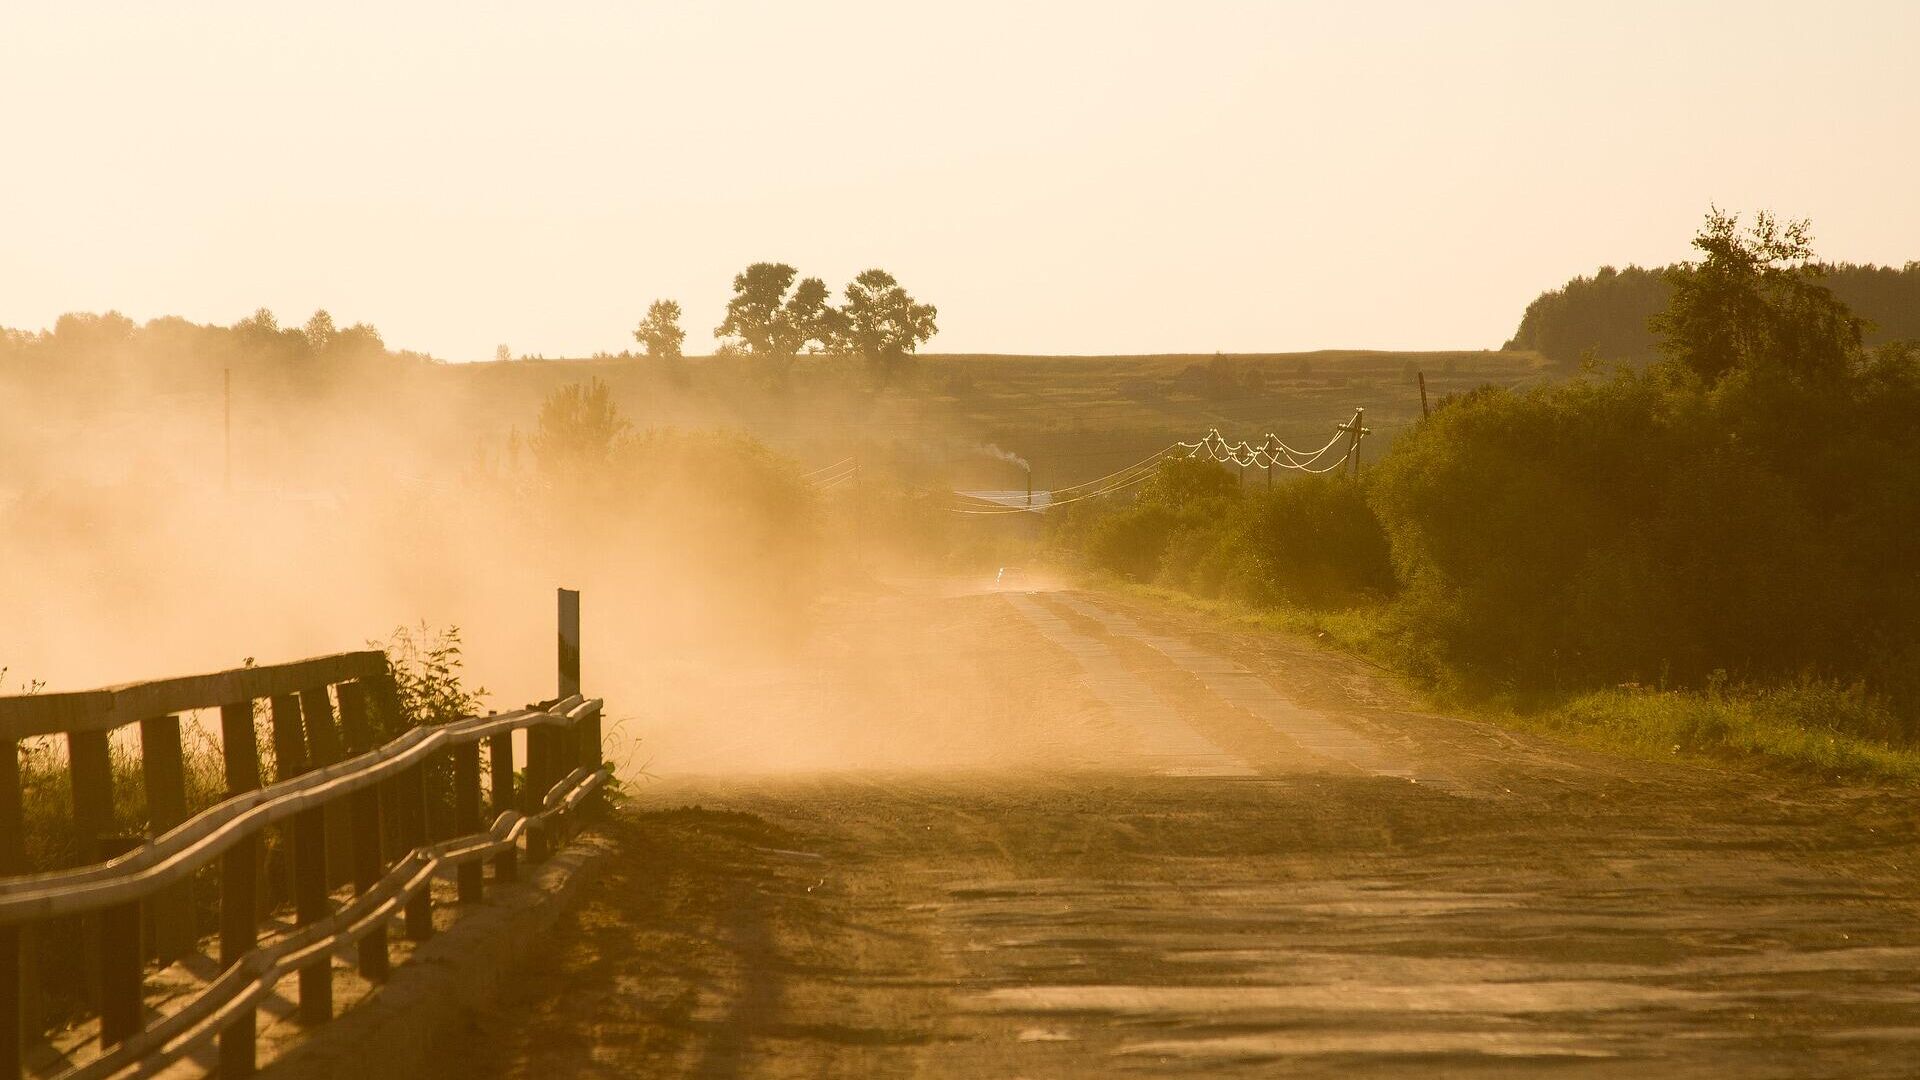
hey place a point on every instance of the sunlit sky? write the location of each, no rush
(1061, 178)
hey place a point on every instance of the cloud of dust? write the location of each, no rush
(716, 579)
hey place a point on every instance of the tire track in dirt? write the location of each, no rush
(1170, 745)
(1312, 730)
(1233, 729)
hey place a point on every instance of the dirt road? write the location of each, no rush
(1089, 839)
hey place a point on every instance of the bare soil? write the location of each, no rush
(1310, 877)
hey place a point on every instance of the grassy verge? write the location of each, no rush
(1757, 728)
(1794, 728)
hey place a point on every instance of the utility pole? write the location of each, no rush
(569, 642)
(1355, 432)
(226, 426)
(1422, 376)
(1029, 485)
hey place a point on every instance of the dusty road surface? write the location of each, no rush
(1053, 834)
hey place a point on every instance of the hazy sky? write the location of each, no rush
(1105, 177)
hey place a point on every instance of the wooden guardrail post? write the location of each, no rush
(575, 739)
(122, 1013)
(163, 768)
(289, 737)
(569, 642)
(410, 806)
(91, 767)
(388, 713)
(324, 747)
(466, 817)
(239, 882)
(239, 934)
(538, 781)
(569, 739)
(506, 865)
(239, 751)
(355, 730)
(14, 1021)
(90, 772)
(310, 906)
(289, 761)
(385, 718)
(592, 756)
(374, 959)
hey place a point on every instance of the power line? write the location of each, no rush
(1271, 453)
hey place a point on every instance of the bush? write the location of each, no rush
(1311, 542)
(1650, 528)
(1130, 542)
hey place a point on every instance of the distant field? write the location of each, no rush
(1074, 417)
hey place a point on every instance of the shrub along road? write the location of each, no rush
(1232, 854)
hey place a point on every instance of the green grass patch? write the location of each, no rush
(1765, 727)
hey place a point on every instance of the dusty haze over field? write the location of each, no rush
(1071, 178)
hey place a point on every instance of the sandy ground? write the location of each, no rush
(969, 834)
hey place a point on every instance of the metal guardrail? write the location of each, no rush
(362, 820)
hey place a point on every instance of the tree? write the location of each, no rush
(811, 320)
(579, 429)
(319, 331)
(881, 322)
(502, 354)
(772, 320)
(359, 340)
(1756, 300)
(660, 331)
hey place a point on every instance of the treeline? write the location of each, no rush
(1605, 315)
(1742, 516)
(82, 349)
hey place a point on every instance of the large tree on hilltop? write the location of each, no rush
(882, 323)
(771, 319)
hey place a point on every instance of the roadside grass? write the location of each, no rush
(1751, 726)
(1796, 728)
